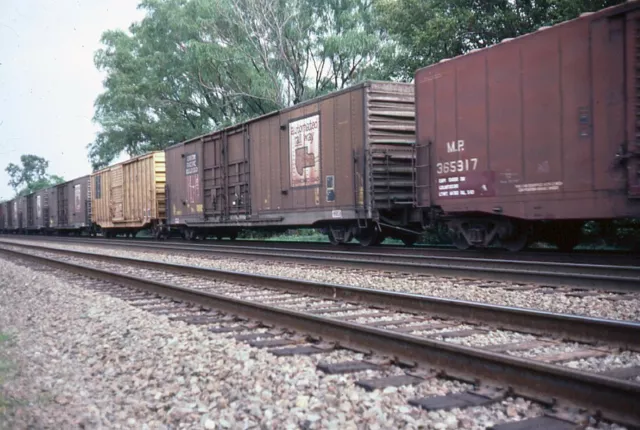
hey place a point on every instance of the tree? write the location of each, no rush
(31, 176)
(428, 31)
(192, 66)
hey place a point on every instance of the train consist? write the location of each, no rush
(522, 141)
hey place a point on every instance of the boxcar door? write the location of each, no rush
(237, 174)
(63, 208)
(31, 218)
(116, 195)
(215, 178)
(193, 164)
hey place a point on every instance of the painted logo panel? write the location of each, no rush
(192, 178)
(38, 206)
(304, 151)
(77, 197)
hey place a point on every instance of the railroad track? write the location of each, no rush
(499, 351)
(610, 277)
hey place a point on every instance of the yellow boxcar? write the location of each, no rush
(130, 196)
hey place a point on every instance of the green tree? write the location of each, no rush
(31, 175)
(428, 31)
(192, 66)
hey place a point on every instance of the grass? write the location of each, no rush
(5, 368)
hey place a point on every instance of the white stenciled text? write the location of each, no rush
(454, 166)
(455, 146)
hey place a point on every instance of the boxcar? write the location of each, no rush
(22, 213)
(69, 206)
(525, 139)
(130, 196)
(3, 210)
(342, 162)
(8, 211)
(38, 211)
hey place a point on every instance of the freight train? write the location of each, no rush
(518, 142)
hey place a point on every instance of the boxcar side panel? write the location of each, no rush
(3, 211)
(39, 209)
(78, 203)
(131, 194)
(531, 127)
(632, 44)
(22, 213)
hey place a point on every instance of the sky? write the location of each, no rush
(48, 81)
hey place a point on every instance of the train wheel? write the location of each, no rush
(516, 243)
(339, 235)
(460, 242)
(332, 238)
(368, 237)
(233, 235)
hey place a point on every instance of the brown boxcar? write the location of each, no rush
(69, 206)
(525, 139)
(130, 196)
(38, 210)
(8, 210)
(3, 211)
(342, 162)
(22, 213)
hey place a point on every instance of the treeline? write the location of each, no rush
(191, 66)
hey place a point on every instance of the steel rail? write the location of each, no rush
(573, 327)
(627, 261)
(613, 399)
(627, 278)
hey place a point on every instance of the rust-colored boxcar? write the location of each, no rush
(69, 206)
(8, 211)
(130, 196)
(538, 128)
(3, 211)
(22, 213)
(38, 210)
(342, 161)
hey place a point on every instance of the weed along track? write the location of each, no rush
(492, 352)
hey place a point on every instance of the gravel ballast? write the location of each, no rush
(85, 359)
(417, 284)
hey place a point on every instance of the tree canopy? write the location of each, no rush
(428, 31)
(191, 66)
(31, 175)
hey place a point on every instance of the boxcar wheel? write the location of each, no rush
(516, 243)
(368, 237)
(460, 242)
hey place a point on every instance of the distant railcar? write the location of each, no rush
(69, 206)
(37, 211)
(130, 196)
(526, 139)
(3, 211)
(342, 162)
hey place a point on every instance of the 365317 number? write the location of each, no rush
(464, 165)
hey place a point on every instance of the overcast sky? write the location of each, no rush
(48, 81)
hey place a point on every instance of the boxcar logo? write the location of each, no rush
(191, 164)
(77, 192)
(304, 151)
(38, 207)
(193, 178)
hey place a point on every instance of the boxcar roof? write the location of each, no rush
(602, 13)
(289, 108)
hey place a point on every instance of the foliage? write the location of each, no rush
(428, 31)
(31, 176)
(192, 66)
